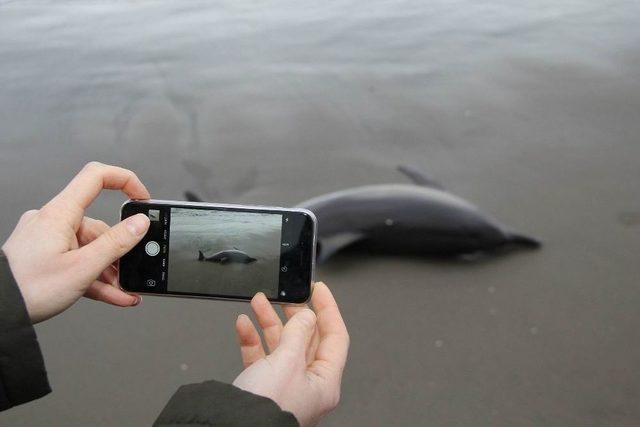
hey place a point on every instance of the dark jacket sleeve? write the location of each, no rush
(212, 403)
(22, 374)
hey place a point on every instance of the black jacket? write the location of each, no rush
(23, 377)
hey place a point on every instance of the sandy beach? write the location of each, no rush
(530, 111)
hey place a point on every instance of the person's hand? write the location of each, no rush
(57, 254)
(303, 371)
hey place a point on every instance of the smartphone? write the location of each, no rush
(207, 250)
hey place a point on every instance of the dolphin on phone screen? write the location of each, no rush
(227, 257)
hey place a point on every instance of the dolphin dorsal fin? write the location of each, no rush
(418, 177)
(329, 246)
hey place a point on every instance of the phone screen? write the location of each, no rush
(221, 251)
(235, 253)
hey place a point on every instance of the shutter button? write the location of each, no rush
(152, 248)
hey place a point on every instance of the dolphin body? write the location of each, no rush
(415, 219)
(226, 257)
(419, 219)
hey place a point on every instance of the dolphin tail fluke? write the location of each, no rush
(200, 256)
(524, 241)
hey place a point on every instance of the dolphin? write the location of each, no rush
(418, 219)
(227, 256)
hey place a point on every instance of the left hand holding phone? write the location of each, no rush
(57, 254)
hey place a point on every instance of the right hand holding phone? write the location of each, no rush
(303, 371)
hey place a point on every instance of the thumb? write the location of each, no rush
(297, 333)
(113, 244)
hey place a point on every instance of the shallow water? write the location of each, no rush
(532, 111)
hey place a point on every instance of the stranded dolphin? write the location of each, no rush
(228, 256)
(419, 219)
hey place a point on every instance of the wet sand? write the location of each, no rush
(530, 111)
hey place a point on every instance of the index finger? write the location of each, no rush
(331, 354)
(91, 180)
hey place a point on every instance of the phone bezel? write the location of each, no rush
(228, 206)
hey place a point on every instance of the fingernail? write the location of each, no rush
(137, 301)
(137, 224)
